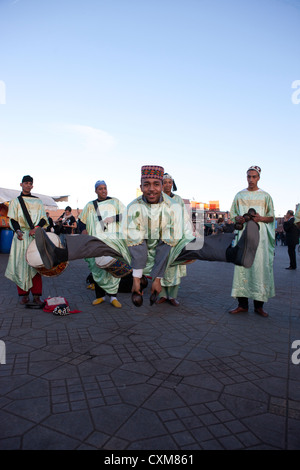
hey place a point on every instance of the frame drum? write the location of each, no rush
(113, 266)
(34, 260)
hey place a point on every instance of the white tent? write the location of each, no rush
(7, 195)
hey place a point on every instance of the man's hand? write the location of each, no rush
(156, 286)
(19, 234)
(136, 286)
(32, 232)
(257, 218)
(240, 219)
(260, 218)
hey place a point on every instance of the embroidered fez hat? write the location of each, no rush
(255, 168)
(152, 171)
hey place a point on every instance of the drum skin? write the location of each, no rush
(34, 260)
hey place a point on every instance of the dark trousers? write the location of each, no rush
(213, 249)
(124, 287)
(292, 255)
(243, 302)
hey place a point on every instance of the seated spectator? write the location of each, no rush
(66, 224)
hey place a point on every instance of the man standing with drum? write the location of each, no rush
(101, 218)
(25, 213)
(257, 282)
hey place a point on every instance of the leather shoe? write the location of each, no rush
(239, 310)
(24, 300)
(153, 297)
(98, 301)
(137, 299)
(161, 300)
(144, 282)
(243, 254)
(50, 254)
(290, 267)
(261, 312)
(38, 301)
(116, 303)
(174, 302)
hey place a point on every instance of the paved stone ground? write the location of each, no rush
(160, 377)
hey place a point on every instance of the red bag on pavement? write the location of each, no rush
(51, 303)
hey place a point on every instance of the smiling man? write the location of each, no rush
(100, 218)
(155, 229)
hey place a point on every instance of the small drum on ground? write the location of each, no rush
(113, 266)
(34, 260)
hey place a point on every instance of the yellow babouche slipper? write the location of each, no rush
(98, 301)
(91, 286)
(116, 303)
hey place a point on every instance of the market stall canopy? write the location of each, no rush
(61, 198)
(7, 195)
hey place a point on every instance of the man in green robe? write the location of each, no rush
(256, 282)
(101, 218)
(171, 281)
(154, 237)
(24, 223)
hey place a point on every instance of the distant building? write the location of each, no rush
(211, 211)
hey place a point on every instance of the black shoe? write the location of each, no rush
(153, 297)
(50, 254)
(144, 282)
(243, 254)
(290, 267)
(137, 299)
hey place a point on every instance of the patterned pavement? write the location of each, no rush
(166, 378)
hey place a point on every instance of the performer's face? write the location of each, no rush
(167, 186)
(101, 192)
(151, 189)
(252, 178)
(26, 187)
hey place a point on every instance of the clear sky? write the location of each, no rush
(95, 89)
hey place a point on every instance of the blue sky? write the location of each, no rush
(95, 89)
